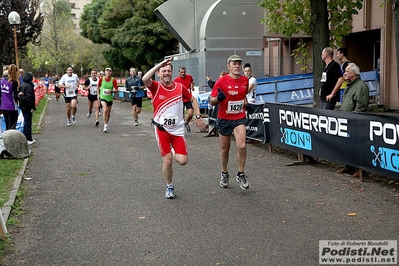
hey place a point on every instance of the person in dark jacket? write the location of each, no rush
(27, 104)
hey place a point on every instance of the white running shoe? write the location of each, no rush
(170, 193)
(242, 179)
(224, 180)
(105, 130)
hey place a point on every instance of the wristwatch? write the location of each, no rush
(198, 116)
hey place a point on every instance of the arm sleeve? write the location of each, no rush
(362, 99)
(30, 98)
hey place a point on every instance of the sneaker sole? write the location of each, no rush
(241, 185)
(223, 186)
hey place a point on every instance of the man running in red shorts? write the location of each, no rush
(168, 118)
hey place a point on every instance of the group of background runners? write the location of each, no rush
(169, 97)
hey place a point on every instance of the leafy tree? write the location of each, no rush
(136, 35)
(395, 8)
(327, 22)
(54, 47)
(28, 31)
(61, 45)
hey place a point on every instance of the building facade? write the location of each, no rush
(77, 10)
(210, 30)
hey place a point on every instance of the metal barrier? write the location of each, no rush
(298, 89)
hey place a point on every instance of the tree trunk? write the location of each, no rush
(320, 35)
(395, 8)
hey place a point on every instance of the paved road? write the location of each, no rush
(98, 199)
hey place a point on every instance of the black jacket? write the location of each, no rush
(27, 100)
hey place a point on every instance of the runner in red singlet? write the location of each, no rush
(167, 100)
(230, 92)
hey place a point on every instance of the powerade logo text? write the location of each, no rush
(386, 158)
(309, 122)
(312, 122)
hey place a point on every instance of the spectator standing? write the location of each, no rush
(70, 83)
(331, 80)
(9, 96)
(229, 92)
(91, 85)
(342, 54)
(106, 86)
(21, 75)
(5, 70)
(251, 95)
(135, 85)
(355, 99)
(27, 104)
(168, 119)
(188, 82)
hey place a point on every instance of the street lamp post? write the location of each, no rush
(14, 19)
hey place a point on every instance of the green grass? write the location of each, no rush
(9, 169)
(40, 108)
(147, 105)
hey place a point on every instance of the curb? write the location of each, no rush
(6, 209)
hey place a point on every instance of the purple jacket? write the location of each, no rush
(9, 95)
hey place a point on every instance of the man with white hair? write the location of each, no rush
(355, 99)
